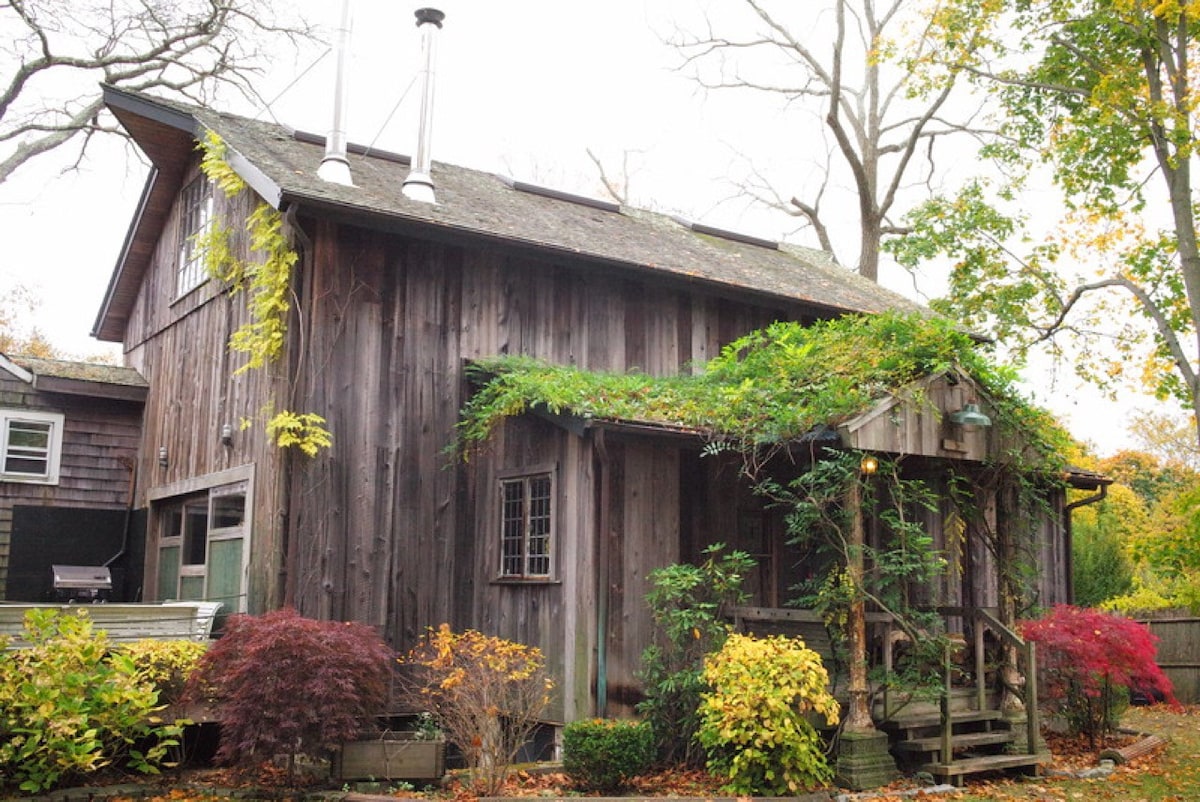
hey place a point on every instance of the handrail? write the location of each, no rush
(982, 618)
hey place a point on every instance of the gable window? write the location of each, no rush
(196, 208)
(526, 526)
(30, 446)
(202, 547)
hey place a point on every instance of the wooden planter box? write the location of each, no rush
(392, 756)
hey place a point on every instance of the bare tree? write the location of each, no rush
(55, 53)
(864, 67)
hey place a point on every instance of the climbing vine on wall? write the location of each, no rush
(267, 285)
(774, 385)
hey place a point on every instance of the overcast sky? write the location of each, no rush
(524, 88)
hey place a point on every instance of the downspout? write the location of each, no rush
(602, 575)
(130, 464)
(1070, 538)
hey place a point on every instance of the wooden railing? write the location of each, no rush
(1027, 656)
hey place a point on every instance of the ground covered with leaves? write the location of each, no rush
(1171, 774)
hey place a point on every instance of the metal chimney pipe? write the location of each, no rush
(419, 184)
(335, 167)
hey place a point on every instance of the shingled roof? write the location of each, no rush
(281, 165)
(77, 378)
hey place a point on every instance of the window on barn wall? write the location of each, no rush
(527, 526)
(202, 547)
(30, 446)
(195, 216)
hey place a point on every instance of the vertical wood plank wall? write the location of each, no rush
(396, 533)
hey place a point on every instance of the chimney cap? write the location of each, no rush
(433, 15)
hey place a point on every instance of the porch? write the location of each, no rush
(983, 714)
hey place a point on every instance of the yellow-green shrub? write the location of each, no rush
(754, 722)
(69, 705)
(165, 664)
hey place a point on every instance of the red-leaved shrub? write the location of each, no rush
(1089, 661)
(283, 684)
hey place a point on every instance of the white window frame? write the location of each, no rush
(195, 218)
(55, 422)
(538, 565)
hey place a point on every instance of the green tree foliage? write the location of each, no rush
(901, 563)
(689, 605)
(1100, 92)
(754, 723)
(70, 705)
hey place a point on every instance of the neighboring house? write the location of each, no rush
(69, 438)
(548, 536)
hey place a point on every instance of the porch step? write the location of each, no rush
(957, 770)
(925, 720)
(966, 740)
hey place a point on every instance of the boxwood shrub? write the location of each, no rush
(604, 754)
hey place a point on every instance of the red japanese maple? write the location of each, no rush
(1089, 661)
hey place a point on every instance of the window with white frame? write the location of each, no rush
(526, 526)
(30, 446)
(195, 216)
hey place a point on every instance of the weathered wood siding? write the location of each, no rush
(389, 529)
(180, 345)
(100, 441)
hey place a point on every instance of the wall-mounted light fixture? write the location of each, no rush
(869, 465)
(226, 434)
(162, 456)
(970, 415)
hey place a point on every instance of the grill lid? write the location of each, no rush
(95, 577)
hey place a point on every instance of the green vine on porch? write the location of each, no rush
(267, 284)
(773, 386)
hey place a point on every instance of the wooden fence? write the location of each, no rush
(1179, 654)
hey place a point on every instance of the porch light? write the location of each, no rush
(970, 415)
(868, 465)
(162, 456)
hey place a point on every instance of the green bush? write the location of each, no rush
(70, 705)
(604, 754)
(689, 605)
(754, 723)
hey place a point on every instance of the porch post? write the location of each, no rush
(858, 716)
(863, 760)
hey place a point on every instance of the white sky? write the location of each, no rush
(524, 88)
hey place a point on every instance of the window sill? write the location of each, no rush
(520, 580)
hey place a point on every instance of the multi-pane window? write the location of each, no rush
(526, 526)
(196, 207)
(202, 547)
(30, 446)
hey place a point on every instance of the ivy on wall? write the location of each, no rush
(266, 282)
